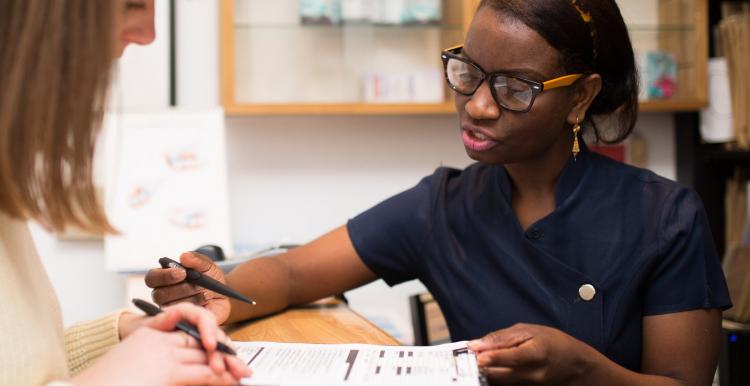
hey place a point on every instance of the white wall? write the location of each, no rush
(76, 268)
(290, 178)
(317, 172)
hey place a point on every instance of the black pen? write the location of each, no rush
(194, 277)
(152, 310)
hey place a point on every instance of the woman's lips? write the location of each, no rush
(476, 139)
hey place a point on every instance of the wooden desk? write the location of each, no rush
(315, 323)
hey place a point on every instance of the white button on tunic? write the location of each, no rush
(587, 292)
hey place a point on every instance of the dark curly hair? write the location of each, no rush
(591, 37)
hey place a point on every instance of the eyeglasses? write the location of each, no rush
(510, 92)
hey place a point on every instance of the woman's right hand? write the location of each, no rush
(170, 286)
(155, 358)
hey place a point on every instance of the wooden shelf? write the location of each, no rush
(718, 153)
(343, 28)
(684, 35)
(416, 109)
(340, 109)
(676, 105)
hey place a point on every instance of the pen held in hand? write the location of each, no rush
(152, 310)
(194, 277)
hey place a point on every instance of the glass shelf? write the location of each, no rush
(636, 28)
(359, 66)
(668, 62)
(639, 28)
(346, 27)
(279, 63)
(345, 63)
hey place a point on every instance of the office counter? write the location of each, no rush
(329, 321)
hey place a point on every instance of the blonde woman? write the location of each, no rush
(55, 60)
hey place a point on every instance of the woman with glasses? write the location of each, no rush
(562, 266)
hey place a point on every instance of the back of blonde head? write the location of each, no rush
(55, 60)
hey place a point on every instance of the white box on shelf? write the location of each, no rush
(388, 11)
(716, 120)
(416, 86)
(423, 12)
(387, 87)
(320, 11)
(354, 11)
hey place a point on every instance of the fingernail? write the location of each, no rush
(474, 342)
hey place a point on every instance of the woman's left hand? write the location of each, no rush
(531, 354)
(203, 319)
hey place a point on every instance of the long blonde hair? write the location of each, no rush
(55, 64)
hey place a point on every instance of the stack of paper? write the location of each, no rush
(286, 364)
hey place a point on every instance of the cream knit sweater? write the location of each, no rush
(34, 350)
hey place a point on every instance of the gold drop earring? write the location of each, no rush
(576, 130)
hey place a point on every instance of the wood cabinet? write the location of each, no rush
(277, 60)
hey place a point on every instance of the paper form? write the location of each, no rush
(287, 364)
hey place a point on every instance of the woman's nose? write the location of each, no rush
(482, 105)
(142, 32)
(138, 24)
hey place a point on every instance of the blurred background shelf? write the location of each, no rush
(635, 28)
(672, 105)
(376, 68)
(341, 108)
(345, 28)
(718, 153)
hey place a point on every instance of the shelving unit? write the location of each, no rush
(335, 61)
(272, 64)
(680, 28)
(707, 167)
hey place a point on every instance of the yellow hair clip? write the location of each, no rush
(586, 16)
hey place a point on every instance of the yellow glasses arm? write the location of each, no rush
(562, 81)
(454, 48)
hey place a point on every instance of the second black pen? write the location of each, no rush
(152, 310)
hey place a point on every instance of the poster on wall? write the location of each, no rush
(166, 187)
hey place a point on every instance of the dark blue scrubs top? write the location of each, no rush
(642, 241)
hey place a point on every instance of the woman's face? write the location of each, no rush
(496, 136)
(134, 23)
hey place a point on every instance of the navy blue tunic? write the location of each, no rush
(642, 241)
